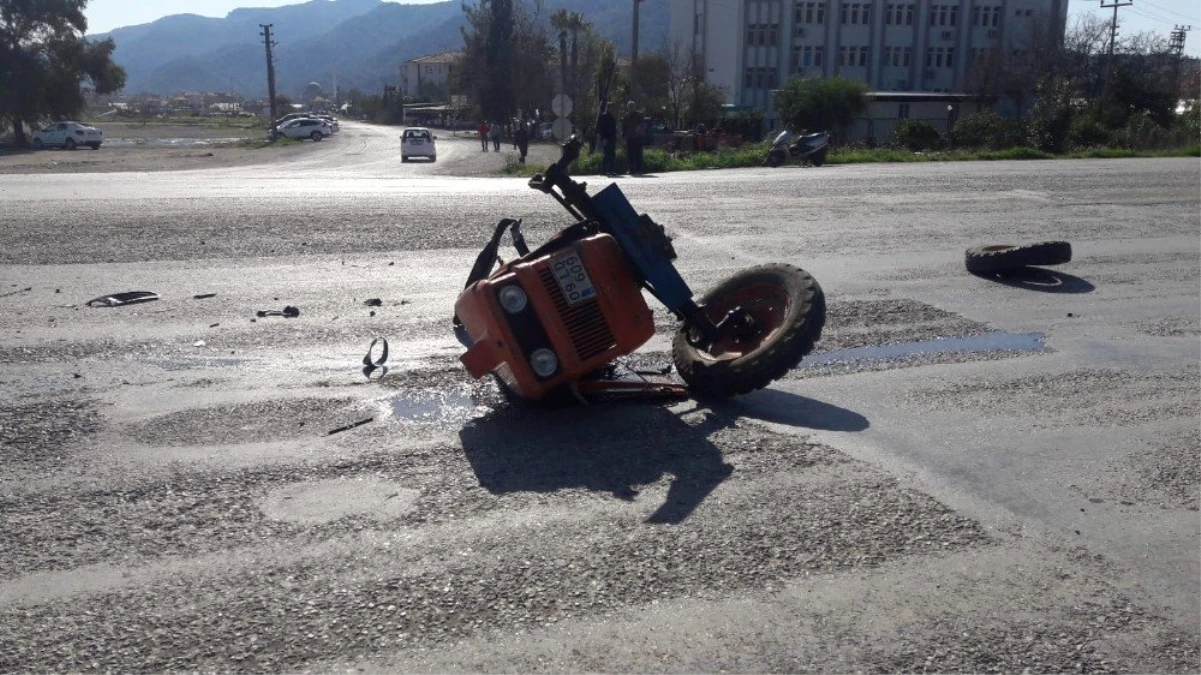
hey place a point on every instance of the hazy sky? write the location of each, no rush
(1158, 16)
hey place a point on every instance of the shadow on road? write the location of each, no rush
(605, 448)
(613, 447)
(1039, 279)
(781, 407)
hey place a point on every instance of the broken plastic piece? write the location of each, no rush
(118, 299)
(373, 302)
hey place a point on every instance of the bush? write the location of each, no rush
(916, 135)
(1188, 124)
(1086, 131)
(1051, 117)
(988, 130)
(1142, 133)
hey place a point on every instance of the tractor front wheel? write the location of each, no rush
(772, 315)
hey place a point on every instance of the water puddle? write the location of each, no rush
(998, 341)
(198, 363)
(435, 407)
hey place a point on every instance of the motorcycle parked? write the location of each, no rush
(811, 148)
(555, 318)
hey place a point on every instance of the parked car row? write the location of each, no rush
(68, 135)
(304, 125)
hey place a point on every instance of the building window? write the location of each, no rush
(898, 57)
(902, 111)
(940, 57)
(856, 13)
(986, 16)
(696, 24)
(806, 57)
(762, 34)
(944, 15)
(898, 15)
(760, 78)
(810, 12)
(853, 56)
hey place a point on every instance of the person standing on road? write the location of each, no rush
(631, 130)
(495, 133)
(606, 130)
(521, 138)
(482, 131)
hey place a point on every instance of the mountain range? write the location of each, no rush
(344, 43)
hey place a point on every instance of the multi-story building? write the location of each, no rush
(751, 47)
(432, 73)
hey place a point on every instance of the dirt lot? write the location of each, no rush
(159, 147)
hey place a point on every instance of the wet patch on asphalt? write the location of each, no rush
(257, 421)
(520, 573)
(325, 501)
(1103, 398)
(44, 435)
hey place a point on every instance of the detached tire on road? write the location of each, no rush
(788, 307)
(1001, 257)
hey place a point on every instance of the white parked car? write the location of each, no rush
(69, 135)
(418, 142)
(305, 127)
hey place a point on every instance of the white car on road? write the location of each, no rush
(305, 127)
(69, 135)
(418, 142)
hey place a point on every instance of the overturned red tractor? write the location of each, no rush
(553, 319)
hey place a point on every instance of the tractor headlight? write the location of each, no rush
(513, 299)
(544, 362)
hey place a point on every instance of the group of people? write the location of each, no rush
(606, 131)
(631, 131)
(491, 132)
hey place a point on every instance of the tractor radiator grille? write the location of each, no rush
(585, 322)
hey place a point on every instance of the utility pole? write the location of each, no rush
(1176, 47)
(634, 49)
(270, 69)
(1113, 32)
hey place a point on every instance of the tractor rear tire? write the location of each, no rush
(999, 258)
(789, 308)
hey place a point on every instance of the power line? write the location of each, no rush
(1169, 11)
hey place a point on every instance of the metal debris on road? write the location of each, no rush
(204, 296)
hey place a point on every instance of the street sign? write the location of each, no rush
(561, 105)
(562, 129)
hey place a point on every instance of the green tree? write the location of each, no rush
(45, 62)
(821, 103)
(505, 56)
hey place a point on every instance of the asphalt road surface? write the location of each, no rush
(968, 473)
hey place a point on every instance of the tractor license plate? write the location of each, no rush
(573, 279)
